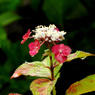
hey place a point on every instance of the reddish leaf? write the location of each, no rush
(78, 54)
(83, 86)
(14, 94)
(43, 86)
(32, 69)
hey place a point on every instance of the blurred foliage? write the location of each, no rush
(9, 5)
(8, 17)
(77, 17)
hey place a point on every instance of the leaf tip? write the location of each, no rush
(11, 77)
(15, 75)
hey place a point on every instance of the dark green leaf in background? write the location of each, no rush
(3, 35)
(9, 5)
(8, 17)
(78, 11)
(57, 10)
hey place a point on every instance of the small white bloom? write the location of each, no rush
(48, 33)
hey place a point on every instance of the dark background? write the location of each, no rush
(76, 17)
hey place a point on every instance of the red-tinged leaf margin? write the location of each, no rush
(43, 86)
(14, 94)
(78, 54)
(83, 86)
(32, 69)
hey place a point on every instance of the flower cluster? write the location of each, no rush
(48, 35)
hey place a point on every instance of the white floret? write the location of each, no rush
(48, 32)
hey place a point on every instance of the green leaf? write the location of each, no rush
(83, 86)
(43, 86)
(57, 68)
(32, 69)
(57, 10)
(8, 17)
(46, 62)
(79, 54)
(78, 11)
(3, 35)
(9, 5)
(54, 90)
(54, 12)
(13, 5)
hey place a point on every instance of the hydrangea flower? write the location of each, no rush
(26, 36)
(34, 47)
(49, 34)
(61, 52)
(43, 34)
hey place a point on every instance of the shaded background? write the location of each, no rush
(76, 17)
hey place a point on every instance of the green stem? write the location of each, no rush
(52, 74)
(51, 63)
(52, 71)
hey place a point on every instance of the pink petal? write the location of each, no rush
(55, 49)
(60, 58)
(56, 29)
(33, 52)
(27, 34)
(37, 43)
(32, 46)
(61, 46)
(23, 41)
(67, 50)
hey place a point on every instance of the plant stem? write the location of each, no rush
(52, 74)
(52, 70)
